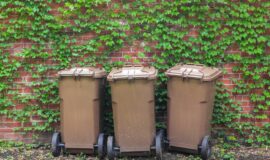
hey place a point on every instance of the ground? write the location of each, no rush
(220, 151)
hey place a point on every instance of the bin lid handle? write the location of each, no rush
(75, 72)
(118, 71)
(188, 73)
(201, 73)
(80, 72)
(130, 76)
(183, 73)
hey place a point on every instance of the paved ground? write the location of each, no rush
(43, 153)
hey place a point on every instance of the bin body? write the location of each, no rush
(80, 107)
(133, 108)
(191, 92)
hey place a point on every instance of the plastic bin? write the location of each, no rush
(191, 92)
(132, 89)
(80, 92)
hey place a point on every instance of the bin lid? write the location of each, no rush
(197, 71)
(132, 72)
(83, 71)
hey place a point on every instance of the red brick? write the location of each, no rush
(194, 32)
(267, 49)
(27, 79)
(245, 119)
(233, 48)
(19, 106)
(15, 124)
(2, 135)
(229, 86)
(229, 70)
(99, 65)
(259, 124)
(6, 129)
(147, 60)
(186, 38)
(136, 49)
(13, 136)
(226, 81)
(245, 104)
(88, 36)
(149, 54)
(52, 74)
(54, 8)
(18, 80)
(258, 91)
(27, 124)
(19, 46)
(9, 124)
(262, 120)
(247, 109)
(133, 54)
(229, 65)
(114, 59)
(23, 73)
(36, 118)
(53, 106)
(50, 61)
(6, 119)
(246, 98)
(117, 54)
(238, 97)
(56, 125)
(229, 76)
(125, 49)
(27, 90)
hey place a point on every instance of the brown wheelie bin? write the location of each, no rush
(132, 89)
(191, 93)
(80, 91)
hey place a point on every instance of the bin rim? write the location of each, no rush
(83, 72)
(195, 71)
(138, 72)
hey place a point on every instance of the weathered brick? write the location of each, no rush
(226, 81)
(13, 136)
(193, 32)
(6, 129)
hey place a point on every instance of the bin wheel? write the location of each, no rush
(55, 148)
(101, 145)
(110, 148)
(160, 139)
(206, 148)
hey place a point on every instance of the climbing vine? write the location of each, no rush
(162, 28)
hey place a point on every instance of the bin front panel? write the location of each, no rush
(190, 105)
(80, 110)
(134, 114)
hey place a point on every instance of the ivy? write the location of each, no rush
(163, 29)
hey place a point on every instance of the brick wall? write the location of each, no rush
(7, 125)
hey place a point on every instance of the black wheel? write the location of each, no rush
(159, 141)
(101, 145)
(206, 148)
(55, 148)
(110, 148)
